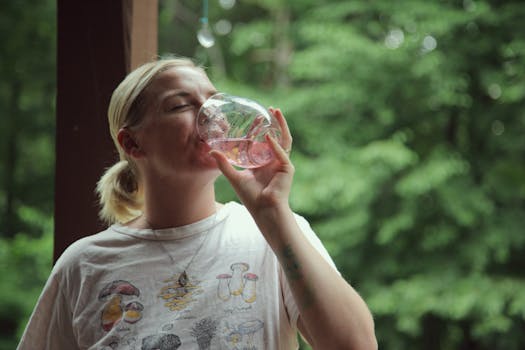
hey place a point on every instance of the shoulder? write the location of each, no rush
(238, 215)
(82, 249)
(238, 219)
(238, 212)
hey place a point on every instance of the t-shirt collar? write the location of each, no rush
(179, 232)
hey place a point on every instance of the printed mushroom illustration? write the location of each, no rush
(112, 313)
(178, 296)
(204, 331)
(133, 312)
(249, 328)
(113, 310)
(161, 342)
(249, 293)
(223, 290)
(236, 283)
(244, 333)
(119, 287)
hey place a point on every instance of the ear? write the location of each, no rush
(128, 143)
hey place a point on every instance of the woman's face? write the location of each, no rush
(167, 136)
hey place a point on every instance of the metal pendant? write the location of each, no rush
(183, 279)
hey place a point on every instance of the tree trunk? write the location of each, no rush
(11, 160)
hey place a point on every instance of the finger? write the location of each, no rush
(278, 150)
(286, 137)
(256, 126)
(224, 166)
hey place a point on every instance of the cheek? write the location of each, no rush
(177, 132)
(170, 131)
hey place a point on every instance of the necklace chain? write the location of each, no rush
(183, 277)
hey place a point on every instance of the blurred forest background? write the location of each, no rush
(408, 120)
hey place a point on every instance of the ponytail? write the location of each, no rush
(119, 194)
(119, 190)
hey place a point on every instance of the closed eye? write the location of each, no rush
(179, 108)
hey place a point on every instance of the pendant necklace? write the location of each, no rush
(183, 277)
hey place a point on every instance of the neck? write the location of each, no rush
(172, 204)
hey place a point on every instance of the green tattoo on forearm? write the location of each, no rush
(291, 265)
(292, 268)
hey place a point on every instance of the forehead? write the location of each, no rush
(192, 80)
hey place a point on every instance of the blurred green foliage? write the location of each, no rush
(27, 92)
(25, 263)
(408, 121)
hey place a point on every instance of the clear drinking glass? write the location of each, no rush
(237, 126)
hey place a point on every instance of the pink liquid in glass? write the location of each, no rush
(244, 153)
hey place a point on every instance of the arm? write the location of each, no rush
(50, 325)
(331, 317)
(332, 314)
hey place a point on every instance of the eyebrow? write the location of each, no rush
(183, 93)
(174, 93)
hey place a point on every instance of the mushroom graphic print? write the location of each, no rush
(180, 291)
(114, 309)
(161, 342)
(244, 335)
(223, 291)
(249, 292)
(239, 283)
(236, 283)
(204, 331)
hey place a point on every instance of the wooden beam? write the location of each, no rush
(98, 41)
(144, 43)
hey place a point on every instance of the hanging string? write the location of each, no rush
(204, 18)
(204, 35)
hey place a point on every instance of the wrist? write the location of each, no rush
(276, 223)
(273, 214)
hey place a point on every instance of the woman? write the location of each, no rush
(176, 269)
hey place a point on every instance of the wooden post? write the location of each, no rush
(98, 41)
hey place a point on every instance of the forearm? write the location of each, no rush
(334, 315)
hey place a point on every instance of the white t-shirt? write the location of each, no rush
(125, 288)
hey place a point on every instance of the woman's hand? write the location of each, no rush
(267, 186)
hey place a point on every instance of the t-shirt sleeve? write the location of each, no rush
(50, 325)
(289, 301)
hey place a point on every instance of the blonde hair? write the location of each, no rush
(119, 189)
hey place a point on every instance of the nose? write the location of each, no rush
(202, 98)
(200, 101)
